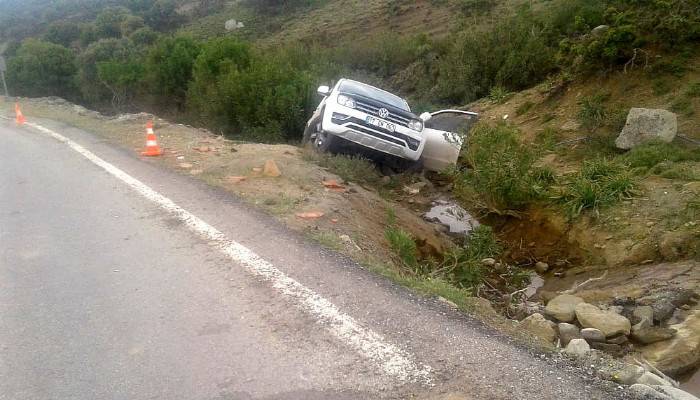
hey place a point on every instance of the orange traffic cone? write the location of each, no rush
(20, 117)
(152, 148)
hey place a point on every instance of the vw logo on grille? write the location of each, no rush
(383, 112)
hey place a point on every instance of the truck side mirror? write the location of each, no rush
(324, 91)
(425, 116)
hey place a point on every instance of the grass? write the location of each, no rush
(600, 183)
(354, 169)
(327, 239)
(499, 95)
(649, 155)
(592, 112)
(524, 108)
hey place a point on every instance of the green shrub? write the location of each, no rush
(42, 69)
(169, 66)
(499, 95)
(463, 265)
(503, 170)
(403, 245)
(93, 90)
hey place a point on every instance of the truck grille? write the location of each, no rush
(374, 110)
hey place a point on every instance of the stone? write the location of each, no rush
(647, 392)
(538, 326)
(629, 374)
(185, 165)
(676, 245)
(681, 353)
(232, 24)
(674, 393)
(608, 322)
(652, 334)
(663, 309)
(642, 313)
(619, 339)
(592, 335)
(271, 170)
(600, 30)
(488, 262)
(644, 125)
(541, 267)
(577, 347)
(563, 307)
(568, 332)
(650, 379)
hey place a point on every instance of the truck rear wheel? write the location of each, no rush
(326, 142)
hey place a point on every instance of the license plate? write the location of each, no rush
(381, 124)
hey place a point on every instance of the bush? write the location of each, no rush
(463, 265)
(169, 66)
(649, 155)
(93, 90)
(62, 33)
(42, 69)
(503, 170)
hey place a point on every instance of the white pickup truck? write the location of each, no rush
(378, 124)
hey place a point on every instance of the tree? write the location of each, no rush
(42, 69)
(63, 33)
(104, 50)
(108, 23)
(169, 65)
(122, 78)
(163, 17)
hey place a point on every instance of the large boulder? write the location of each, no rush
(608, 322)
(647, 392)
(674, 393)
(644, 125)
(592, 335)
(537, 325)
(680, 354)
(652, 334)
(563, 307)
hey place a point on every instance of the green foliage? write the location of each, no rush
(244, 93)
(600, 182)
(463, 265)
(63, 33)
(499, 95)
(91, 87)
(649, 155)
(169, 66)
(592, 112)
(144, 37)
(693, 90)
(274, 7)
(524, 108)
(403, 246)
(42, 69)
(123, 78)
(350, 168)
(108, 23)
(503, 170)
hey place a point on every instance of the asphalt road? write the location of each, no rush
(105, 295)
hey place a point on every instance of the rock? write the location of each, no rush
(676, 245)
(652, 334)
(577, 347)
(650, 379)
(232, 24)
(488, 262)
(619, 339)
(680, 354)
(592, 335)
(537, 325)
(270, 169)
(642, 313)
(629, 374)
(563, 307)
(610, 323)
(674, 393)
(600, 30)
(647, 392)
(666, 303)
(568, 332)
(644, 125)
(541, 267)
(185, 165)
(612, 349)
(663, 310)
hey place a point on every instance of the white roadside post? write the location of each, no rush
(3, 68)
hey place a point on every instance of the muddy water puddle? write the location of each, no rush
(455, 218)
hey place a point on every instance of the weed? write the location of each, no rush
(547, 117)
(693, 90)
(598, 183)
(547, 139)
(681, 171)
(471, 7)
(350, 168)
(592, 112)
(660, 87)
(683, 106)
(463, 265)
(524, 108)
(499, 94)
(650, 154)
(327, 239)
(503, 169)
(402, 244)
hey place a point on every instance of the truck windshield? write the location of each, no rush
(360, 89)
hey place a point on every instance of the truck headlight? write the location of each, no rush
(416, 125)
(346, 101)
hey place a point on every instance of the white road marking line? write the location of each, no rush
(393, 360)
